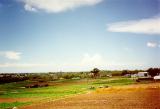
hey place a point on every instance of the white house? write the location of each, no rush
(143, 74)
(157, 77)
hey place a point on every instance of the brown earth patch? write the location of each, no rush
(9, 100)
(146, 96)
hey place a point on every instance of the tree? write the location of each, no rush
(124, 72)
(153, 71)
(95, 72)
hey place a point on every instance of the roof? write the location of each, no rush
(142, 72)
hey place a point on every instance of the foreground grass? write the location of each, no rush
(14, 104)
(66, 88)
(13, 90)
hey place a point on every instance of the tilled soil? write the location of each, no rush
(10, 100)
(144, 97)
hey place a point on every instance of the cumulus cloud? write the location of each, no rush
(85, 63)
(29, 8)
(92, 60)
(152, 44)
(13, 55)
(144, 26)
(55, 6)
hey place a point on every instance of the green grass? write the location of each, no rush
(13, 90)
(45, 92)
(115, 82)
(14, 104)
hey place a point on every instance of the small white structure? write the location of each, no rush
(142, 74)
(1, 76)
(127, 75)
(134, 75)
(157, 77)
(14, 108)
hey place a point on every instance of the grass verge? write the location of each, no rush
(13, 104)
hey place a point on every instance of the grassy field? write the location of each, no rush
(14, 94)
(13, 104)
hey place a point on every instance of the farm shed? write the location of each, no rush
(157, 77)
(143, 74)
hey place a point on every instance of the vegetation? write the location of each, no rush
(153, 71)
(53, 76)
(14, 104)
(7, 78)
(95, 72)
(57, 89)
(49, 86)
(115, 82)
(124, 72)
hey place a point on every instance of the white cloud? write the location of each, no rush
(92, 60)
(86, 63)
(29, 8)
(55, 6)
(152, 44)
(144, 26)
(13, 55)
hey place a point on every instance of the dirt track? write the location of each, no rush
(143, 97)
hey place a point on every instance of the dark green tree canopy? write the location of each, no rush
(95, 72)
(153, 71)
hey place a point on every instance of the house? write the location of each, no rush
(142, 74)
(157, 77)
(1, 76)
(127, 75)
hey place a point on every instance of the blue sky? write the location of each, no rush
(78, 35)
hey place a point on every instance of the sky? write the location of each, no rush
(78, 35)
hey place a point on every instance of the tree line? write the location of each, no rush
(51, 76)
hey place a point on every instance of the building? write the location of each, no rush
(143, 74)
(157, 77)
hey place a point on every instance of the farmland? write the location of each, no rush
(144, 96)
(79, 54)
(15, 93)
